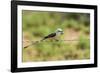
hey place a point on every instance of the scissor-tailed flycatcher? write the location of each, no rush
(54, 35)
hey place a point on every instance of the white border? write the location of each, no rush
(53, 63)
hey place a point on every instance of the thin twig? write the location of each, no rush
(55, 40)
(34, 42)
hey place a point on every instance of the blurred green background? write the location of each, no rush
(37, 24)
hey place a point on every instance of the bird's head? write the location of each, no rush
(59, 30)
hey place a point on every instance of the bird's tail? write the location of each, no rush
(32, 43)
(35, 42)
(42, 40)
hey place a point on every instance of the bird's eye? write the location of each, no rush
(59, 31)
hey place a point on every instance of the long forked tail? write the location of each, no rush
(32, 43)
(42, 40)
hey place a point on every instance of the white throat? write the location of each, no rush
(58, 33)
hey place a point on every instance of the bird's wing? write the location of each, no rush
(50, 35)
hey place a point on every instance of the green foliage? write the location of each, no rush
(84, 43)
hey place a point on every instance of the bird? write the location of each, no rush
(54, 35)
